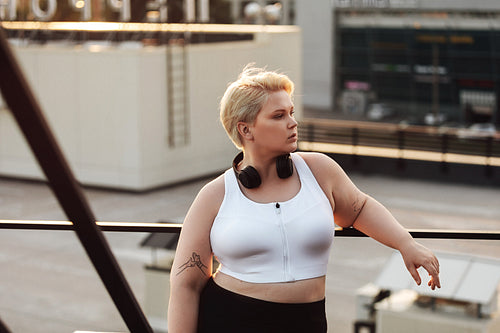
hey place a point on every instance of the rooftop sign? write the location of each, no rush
(8, 9)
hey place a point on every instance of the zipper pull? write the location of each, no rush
(278, 208)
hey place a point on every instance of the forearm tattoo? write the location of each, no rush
(193, 261)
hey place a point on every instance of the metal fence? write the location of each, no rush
(435, 143)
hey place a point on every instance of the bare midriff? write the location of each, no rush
(301, 291)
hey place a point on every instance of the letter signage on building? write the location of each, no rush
(8, 9)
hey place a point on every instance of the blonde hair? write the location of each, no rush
(246, 96)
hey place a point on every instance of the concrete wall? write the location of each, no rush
(315, 20)
(108, 109)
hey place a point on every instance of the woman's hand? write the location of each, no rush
(415, 256)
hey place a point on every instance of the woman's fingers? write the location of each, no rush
(432, 267)
(418, 256)
(414, 273)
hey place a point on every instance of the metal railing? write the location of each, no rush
(168, 227)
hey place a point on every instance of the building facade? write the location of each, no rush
(414, 61)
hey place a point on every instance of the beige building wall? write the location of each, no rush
(108, 108)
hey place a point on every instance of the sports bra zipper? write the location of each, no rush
(286, 256)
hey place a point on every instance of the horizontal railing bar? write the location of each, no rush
(433, 233)
(104, 226)
(167, 227)
(408, 154)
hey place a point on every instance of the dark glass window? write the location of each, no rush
(355, 60)
(354, 38)
(470, 41)
(495, 39)
(402, 65)
(389, 39)
(480, 66)
(390, 58)
(424, 93)
(392, 87)
(425, 40)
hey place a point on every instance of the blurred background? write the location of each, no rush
(402, 93)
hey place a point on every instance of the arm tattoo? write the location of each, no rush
(357, 205)
(193, 261)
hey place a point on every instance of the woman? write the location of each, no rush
(270, 221)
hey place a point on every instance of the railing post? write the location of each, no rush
(488, 170)
(444, 150)
(355, 142)
(310, 132)
(401, 147)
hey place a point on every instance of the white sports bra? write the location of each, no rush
(274, 242)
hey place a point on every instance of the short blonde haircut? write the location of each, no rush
(245, 97)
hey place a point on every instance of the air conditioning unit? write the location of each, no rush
(391, 318)
(467, 301)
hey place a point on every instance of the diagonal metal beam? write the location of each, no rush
(3, 327)
(28, 114)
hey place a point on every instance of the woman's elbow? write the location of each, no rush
(187, 283)
(343, 223)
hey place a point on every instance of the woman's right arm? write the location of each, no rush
(192, 265)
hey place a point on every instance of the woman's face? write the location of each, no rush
(275, 127)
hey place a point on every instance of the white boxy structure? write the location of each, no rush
(111, 112)
(467, 301)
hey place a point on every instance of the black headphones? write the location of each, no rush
(250, 178)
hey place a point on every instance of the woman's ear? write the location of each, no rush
(244, 130)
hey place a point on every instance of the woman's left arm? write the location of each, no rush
(354, 208)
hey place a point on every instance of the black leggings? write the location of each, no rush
(222, 311)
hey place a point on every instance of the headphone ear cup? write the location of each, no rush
(284, 166)
(249, 177)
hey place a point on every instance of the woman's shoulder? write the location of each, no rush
(213, 191)
(317, 160)
(206, 205)
(323, 167)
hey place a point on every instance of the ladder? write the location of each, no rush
(177, 94)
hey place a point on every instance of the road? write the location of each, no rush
(47, 284)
